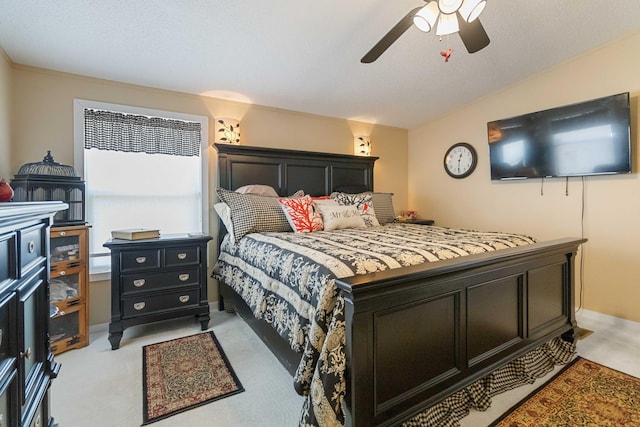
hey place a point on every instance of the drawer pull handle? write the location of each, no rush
(26, 354)
(63, 233)
(184, 277)
(61, 313)
(31, 246)
(138, 283)
(141, 259)
(184, 298)
(139, 305)
(182, 255)
(62, 273)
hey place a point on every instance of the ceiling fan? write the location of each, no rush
(450, 16)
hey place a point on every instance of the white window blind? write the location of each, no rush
(141, 170)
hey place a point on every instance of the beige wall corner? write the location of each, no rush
(611, 203)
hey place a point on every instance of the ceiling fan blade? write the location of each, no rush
(473, 35)
(389, 38)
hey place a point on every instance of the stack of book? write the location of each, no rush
(136, 234)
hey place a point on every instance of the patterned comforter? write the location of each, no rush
(288, 280)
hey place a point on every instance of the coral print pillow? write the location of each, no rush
(363, 201)
(301, 214)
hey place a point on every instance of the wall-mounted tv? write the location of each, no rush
(587, 138)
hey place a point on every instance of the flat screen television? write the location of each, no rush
(587, 138)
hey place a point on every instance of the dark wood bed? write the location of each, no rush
(416, 334)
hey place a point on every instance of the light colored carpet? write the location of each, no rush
(100, 387)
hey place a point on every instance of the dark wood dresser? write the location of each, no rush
(157, 279)
(26, 362)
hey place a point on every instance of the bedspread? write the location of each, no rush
(288, 280)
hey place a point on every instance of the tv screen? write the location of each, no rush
(588, 138)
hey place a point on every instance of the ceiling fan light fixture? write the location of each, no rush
(447, 24)
(471, 9)
(426, 17)
(449, 6)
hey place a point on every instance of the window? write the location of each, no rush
(142, 168)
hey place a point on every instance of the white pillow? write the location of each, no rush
(336, 217)
(224, 212)
(262, 190)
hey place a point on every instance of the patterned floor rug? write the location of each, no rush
(181, 374)
(583, 393)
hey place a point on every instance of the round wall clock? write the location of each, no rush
(460, 160)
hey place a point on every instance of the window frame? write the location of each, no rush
(79, 105)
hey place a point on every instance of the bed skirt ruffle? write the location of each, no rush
(523, 370)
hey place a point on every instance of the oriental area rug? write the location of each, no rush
(183, 373)
(583, 393)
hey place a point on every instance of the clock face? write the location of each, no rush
(460, 160)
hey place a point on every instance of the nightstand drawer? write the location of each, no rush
(140, 260)
(142, 282)
(181, 256)
(136, 306)
(31, 245)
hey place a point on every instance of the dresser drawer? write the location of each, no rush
(182, 256)
(145, 304)
(143, 282)
(7, 257)
(31, 245)
(140, 260)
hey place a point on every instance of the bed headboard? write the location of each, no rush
(288, 171)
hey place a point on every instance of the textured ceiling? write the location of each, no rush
(303, 55)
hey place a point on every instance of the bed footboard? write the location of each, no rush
(415, 338)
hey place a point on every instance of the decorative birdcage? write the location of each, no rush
(49, 180)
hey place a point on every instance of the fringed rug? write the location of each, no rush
(181, 374)
(583, 393)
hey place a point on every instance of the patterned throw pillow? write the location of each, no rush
(302, 214)
(383, 205)
(252, 213)
(337, 217)
(363, 201)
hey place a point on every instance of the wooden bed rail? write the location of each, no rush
(416, 337)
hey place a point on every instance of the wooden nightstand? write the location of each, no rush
(416, 221)
(157, 279)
